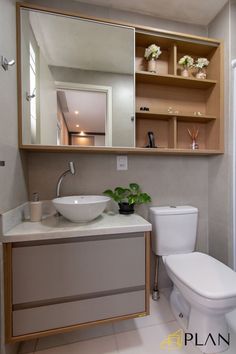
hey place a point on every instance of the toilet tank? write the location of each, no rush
(174, 229)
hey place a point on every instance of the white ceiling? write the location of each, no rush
(91, 107)
(190, 11)
(86, 45)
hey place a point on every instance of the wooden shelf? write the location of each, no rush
(173, 80)
(180, 116)
(202, 48)
(115, 150)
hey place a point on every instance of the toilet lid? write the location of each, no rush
(203, 274)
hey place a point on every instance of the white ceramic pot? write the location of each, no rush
(152, 66)
(201, 74)
(185, 73)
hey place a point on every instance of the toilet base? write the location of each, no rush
(212, 331)
(180, 307)
(207, 331)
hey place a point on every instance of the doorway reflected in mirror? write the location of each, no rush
(82, 117)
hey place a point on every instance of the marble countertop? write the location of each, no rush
(55, 227)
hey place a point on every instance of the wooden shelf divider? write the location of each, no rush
(173, 133)
(172, 67)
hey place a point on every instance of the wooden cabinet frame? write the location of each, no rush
(213, 144)
(8, 294)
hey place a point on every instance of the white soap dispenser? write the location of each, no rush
(35, 208)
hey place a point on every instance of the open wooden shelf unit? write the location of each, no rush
(176, 103)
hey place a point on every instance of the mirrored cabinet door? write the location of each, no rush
(77, 81)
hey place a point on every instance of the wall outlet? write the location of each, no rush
(122, 163)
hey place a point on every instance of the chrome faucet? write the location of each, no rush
(70, 170)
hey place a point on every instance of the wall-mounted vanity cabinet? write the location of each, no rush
(55, 286)
(83, 82)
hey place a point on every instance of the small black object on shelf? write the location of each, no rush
(144, 109)
(151, 140)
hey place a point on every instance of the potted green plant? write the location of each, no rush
(128, 197)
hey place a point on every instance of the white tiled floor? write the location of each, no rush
(138, 336)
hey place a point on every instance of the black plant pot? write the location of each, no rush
(126, 208)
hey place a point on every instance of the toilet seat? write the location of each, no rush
(203, 275)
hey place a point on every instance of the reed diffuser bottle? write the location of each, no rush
(193, 135)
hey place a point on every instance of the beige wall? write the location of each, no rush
(12, 180)
(129, 17)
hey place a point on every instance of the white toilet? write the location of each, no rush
(204, 288)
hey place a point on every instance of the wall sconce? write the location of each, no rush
(6, 63)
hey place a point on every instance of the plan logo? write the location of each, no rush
(173, 341)
(178, 339)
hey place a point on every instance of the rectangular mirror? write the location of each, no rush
(77, 81)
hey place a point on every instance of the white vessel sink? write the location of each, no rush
(81, 208)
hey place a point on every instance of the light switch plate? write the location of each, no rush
(122, 163)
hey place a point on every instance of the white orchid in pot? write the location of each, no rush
(186, 63)
(151, 54)
(201, 64)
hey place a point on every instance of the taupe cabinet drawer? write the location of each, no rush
(77, 312)
(53, 271)
(56, 286)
